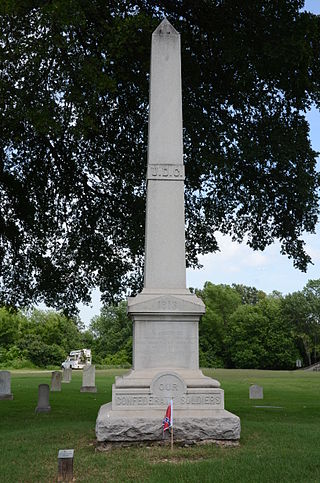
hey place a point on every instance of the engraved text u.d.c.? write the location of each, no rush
(165, 171)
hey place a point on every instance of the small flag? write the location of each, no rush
(168, 419)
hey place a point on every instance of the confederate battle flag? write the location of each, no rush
(168, 419)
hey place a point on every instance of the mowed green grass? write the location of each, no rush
(277, 445)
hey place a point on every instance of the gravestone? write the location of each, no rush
(5, 385)
(65, 464)
(66, 375)
(56, 381)
(255, 392)
(165, 314)
(43, 399)
(88, 379)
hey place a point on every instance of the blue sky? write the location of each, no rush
(312, 6)
(237, 263)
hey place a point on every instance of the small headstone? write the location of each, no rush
(255, 392)
(88, 379)
(66, 375)
(5, 385)
(56, 381)
(43, 399)
(65, 465)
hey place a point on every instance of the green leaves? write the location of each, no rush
(302, 310)
(112, 332)
(245, 328)
(259, 337)
(73, 113)
(38, 337)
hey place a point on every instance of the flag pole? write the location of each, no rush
(171, 402)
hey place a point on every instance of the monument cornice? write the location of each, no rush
(166, 304)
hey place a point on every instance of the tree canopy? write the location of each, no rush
(74, 106)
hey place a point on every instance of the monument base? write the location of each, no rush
(140, 399)
(6, 397)
(165, 368)
(218, 424)
(88, 389)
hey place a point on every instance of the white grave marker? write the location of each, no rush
(5, 385)
(255, 392)
(43, 399)
(66, 375)
(88, 379)
(56, 381)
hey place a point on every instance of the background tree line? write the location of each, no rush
(242, 328)
(38, 338)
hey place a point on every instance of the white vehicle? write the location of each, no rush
(77, 359)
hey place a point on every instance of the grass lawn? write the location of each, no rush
(277, 445)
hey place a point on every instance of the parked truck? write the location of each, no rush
(77, 359)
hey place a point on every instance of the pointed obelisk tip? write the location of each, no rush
(165, 28)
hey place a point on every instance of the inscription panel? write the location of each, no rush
(168, 385)
(66, 453)
(166, 171)
(125, 400)
(166, 344)
(181, 402)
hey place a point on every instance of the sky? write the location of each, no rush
(237, 263)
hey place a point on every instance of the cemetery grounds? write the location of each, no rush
(277, 444)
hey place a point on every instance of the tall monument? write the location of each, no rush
(165, 314)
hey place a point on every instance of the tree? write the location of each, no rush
(220, 301)
(302, 311)
(40, 337)
(74, 96)
(54, 328)
(312, 293)
(260, 338)
(9, 327)
(112, 334)
(249, 295)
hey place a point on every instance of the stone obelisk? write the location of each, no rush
(165, 314)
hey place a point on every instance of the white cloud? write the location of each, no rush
(267, 270)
